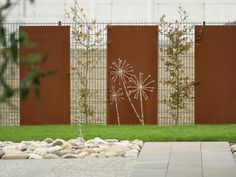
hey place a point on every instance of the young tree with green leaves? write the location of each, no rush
(178, 45)
(89, 40)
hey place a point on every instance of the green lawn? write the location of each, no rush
(145, 133)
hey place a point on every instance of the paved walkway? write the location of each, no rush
(185, 159)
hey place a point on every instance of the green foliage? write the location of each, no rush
(9, 56)
(88, 38)
(179, 44)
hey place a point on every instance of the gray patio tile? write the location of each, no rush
(219, 172)
(153, 158)
(150, 147)
(151, 165)
(186, 159)
(184, 171)
(214, 146)
(219, 164)
(216, 156)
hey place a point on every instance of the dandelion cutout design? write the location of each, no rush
(139, 86)
(121, 70)
(116, 97)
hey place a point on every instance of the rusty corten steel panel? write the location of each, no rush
(215, 63)
(138, 45)
(53, 105)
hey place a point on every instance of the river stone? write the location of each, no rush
(13, 151)
(125, 142)
(31, 148)
(22, 147)
(26, 142)
(138, 142)
(58, 153)
(77, 151)
(66, 146)
(102, 148)
(40, 151)
(120, 147)
(119, 151)
(63, 152)
(83, 154)
(111, 154)
(135, 146)
(34, 156)
(96, 141)
(48, 140)
(96, 149)
(58, 142)
(35, 144)
(10, 148)
(51, 156)
(74, 142)
(69, 156)
(111, 140)
(53, 149)
(90, 151)
(94, 155)
(91, 145)
(81, 140)
(7, 143)
(233, 148)
(1, 153)
(15, 156)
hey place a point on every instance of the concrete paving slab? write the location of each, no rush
(185, 159)
(220, 172)
(151, 165)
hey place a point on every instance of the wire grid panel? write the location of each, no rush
(186, 116)
(9, 115)
(9, 111)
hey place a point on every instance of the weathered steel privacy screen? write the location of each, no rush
(132, 56)
(215, 70)
(53, 105)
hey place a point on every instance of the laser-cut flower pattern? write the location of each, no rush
(116, 94)
(140, 86)
(121, 70)
(115, 97)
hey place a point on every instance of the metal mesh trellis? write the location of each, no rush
(9, 112)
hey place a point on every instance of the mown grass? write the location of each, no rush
(130, 132)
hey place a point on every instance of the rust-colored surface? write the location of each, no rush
(215, 62)
(138, 46)
(53, 105)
